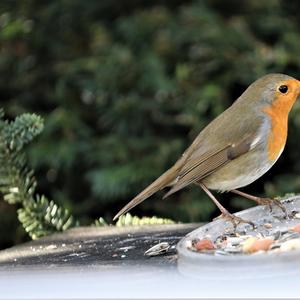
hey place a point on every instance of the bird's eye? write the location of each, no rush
(283, 89)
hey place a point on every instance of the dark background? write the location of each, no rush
(125, 86)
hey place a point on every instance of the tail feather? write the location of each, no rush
(161, 182)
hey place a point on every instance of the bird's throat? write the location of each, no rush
(278, 114)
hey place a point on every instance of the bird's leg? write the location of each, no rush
(224, 212)
(263, 201)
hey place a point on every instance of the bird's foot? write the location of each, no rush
(234, 219)
(271, 202)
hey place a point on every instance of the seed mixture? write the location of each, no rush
(273, 234)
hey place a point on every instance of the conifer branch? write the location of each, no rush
(38, 215)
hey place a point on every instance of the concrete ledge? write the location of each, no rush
(96, 246)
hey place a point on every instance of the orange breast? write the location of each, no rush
(278, 113)
(278, 133)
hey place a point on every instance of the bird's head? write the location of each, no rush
(272, 90)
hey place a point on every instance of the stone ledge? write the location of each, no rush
(96, 246)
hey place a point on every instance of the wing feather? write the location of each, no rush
(201, 167)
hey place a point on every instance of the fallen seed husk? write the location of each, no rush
(158, 249)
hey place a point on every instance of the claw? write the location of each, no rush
(270, 202)
(264, 201)
(235, 220)
(281, 206)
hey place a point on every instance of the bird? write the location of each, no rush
(236, 148)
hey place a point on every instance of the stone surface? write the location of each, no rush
(97, 246)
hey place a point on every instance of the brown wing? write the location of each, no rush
(200, 167)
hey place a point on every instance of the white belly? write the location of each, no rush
(235, 175)
(238, 181)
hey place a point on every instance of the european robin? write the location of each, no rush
(237, 147)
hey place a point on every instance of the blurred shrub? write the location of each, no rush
(125, 86)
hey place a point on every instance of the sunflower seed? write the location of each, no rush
(158, 249)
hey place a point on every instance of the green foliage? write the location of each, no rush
(129, 220)
(21, 131)
(100, 222)
(125, 86)
(17, 183)
(38, 215)
(42, 217)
